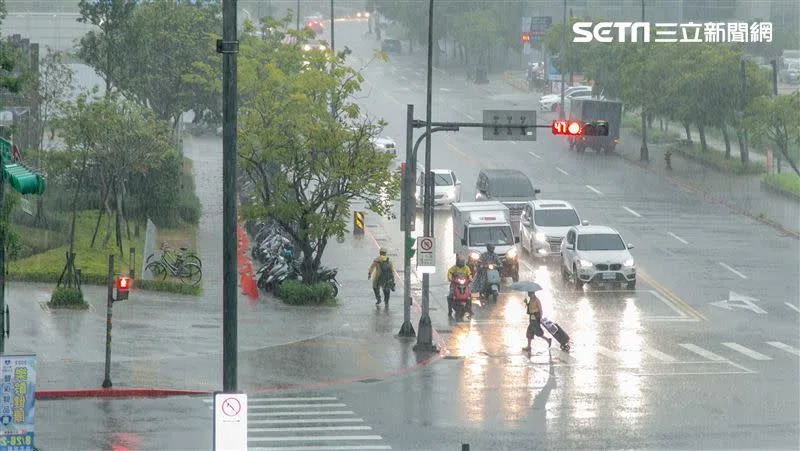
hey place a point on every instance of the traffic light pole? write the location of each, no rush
(109, 307)
(407, 329)
(3, 266)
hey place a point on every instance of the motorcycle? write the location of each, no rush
(492, 285)
(461, 296)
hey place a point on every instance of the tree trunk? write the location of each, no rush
(785, 151)
(125, 211)
(75, 206)
(41, 217)
(688, 130)
(100, 215)
(644, 154)
(743, 156)
(661, 124)
(702, 132)
(119, 218)
(107, 237)
(727, 139)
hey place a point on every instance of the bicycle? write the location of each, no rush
(169, 255)
(178, 265)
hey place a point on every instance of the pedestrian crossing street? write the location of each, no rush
(317, 423)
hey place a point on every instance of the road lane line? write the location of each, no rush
(444, 90)
(792, 306)
(597, 191)
(732, 270)
(313, 438)
(608, 353)
(308, 421)
(535, 155)
(296, 413)
(297, 406)
(469, 116)
(677, 238)
(747, 351)
(632, 212)
(561, 170)
(703, 352)
(513, 142)
(319, 448)
(393, 98)
(254, 400)
(656, 354)
(312, 428)
(671, 296)
(784, 347)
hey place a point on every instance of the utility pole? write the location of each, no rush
(229, 47)
(425, 337)
(109, 307)
(333, 48)
(297, 13)
(644, 153)
(563, 62)
(3, 233)
(407, 329)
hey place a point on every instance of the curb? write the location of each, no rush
(712, 198)
(89, 393)
(766, 186)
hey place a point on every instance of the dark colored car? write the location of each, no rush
(509, 186)
(391, 46)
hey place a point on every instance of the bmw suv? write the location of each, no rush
(597, 254)
(544, 224)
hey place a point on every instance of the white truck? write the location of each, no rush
(476, 224)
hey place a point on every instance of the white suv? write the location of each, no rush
(597, 254)
(544, 224)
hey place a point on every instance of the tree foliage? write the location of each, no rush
(778, 119)
(302, 144)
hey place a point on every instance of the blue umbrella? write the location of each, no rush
(524, 286)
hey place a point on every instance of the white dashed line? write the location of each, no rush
(468, 116)
(792, 306)
(393, 99)
(535, 155)
(513, 142)
(677, 238)
(784, 347)
(594, 189)
(632, 212)
(732, 270)
(747, 351)
(561, 171)
(703, 352)
(444, 90)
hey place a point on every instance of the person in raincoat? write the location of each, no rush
(534, 308)
(382, 274)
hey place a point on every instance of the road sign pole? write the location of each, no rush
(109, 307)
(3, 231)
(407, 329)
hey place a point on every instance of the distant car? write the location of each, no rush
(567, 91)
(550, 103)
(387, 145)
(597, 254)
(391, 46)
(446, 189)
(363, 15)
(544, 224)
(315, 24)
(792, 74)
(315, 45)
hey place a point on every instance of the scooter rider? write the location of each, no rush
(487, 257)
(459, 269)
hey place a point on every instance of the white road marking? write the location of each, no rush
(313, 438)
(655, 353)
(308, 421)
(535, 155)
(561, 170)
(607, 352)
(677, 238)
(632, 212)
(403, 77)
(312, 428)
(295, 413)
(594, 189)
(296, 406)
(263, 400)
(703, 352)
(747, 351)
(469, 117)
(444, 90)
(784, 347)
(319, 448)
(513, 142)
(393, 98)
(792, 306)
(732, 270)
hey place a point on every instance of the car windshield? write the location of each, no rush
(438, 180)
(600, 242)
(513, 187)
(497, 235)
(556, 218)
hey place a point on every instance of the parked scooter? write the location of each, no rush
(491, 286)
(462, 296)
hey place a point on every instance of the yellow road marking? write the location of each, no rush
(680, 303)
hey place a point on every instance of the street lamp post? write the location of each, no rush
(425, 328)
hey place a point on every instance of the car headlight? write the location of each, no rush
(474, 256)
(540, 237)
(306, 47)
(628, 263)
(584, 263)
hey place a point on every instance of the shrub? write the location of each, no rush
(67, 298)
(295, 292)
(787, 182)
(715, 158)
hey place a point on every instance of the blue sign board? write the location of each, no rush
(17, 397)
(552, 73)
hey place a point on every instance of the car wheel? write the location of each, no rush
(564, 273)
(515, 276)
(576, 279)
(631, 285)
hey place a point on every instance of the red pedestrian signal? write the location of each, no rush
(569, 128)
(526, 37)
(123, 288)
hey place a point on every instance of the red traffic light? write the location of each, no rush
(123, 287)
(569, 128)
(526, 37)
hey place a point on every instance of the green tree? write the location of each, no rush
(306, 162)
(778, 119)
(106, 50)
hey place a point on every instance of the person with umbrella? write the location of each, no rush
(534, 309)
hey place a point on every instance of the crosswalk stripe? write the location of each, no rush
(313, 438)
(656, 354)
(703, 352)
(296, 406)
(747, 351)
(298, 414)
(311, 429)
(320, 448)
(784, 347)
(608, 353)
(308, 421)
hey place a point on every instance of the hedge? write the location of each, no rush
(787, 183)
(167, 286)
(715, 158)
(295, 292)
(67, 298)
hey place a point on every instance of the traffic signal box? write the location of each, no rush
(123, 288)
(578, 128)
(19, 176)
(410, 243)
